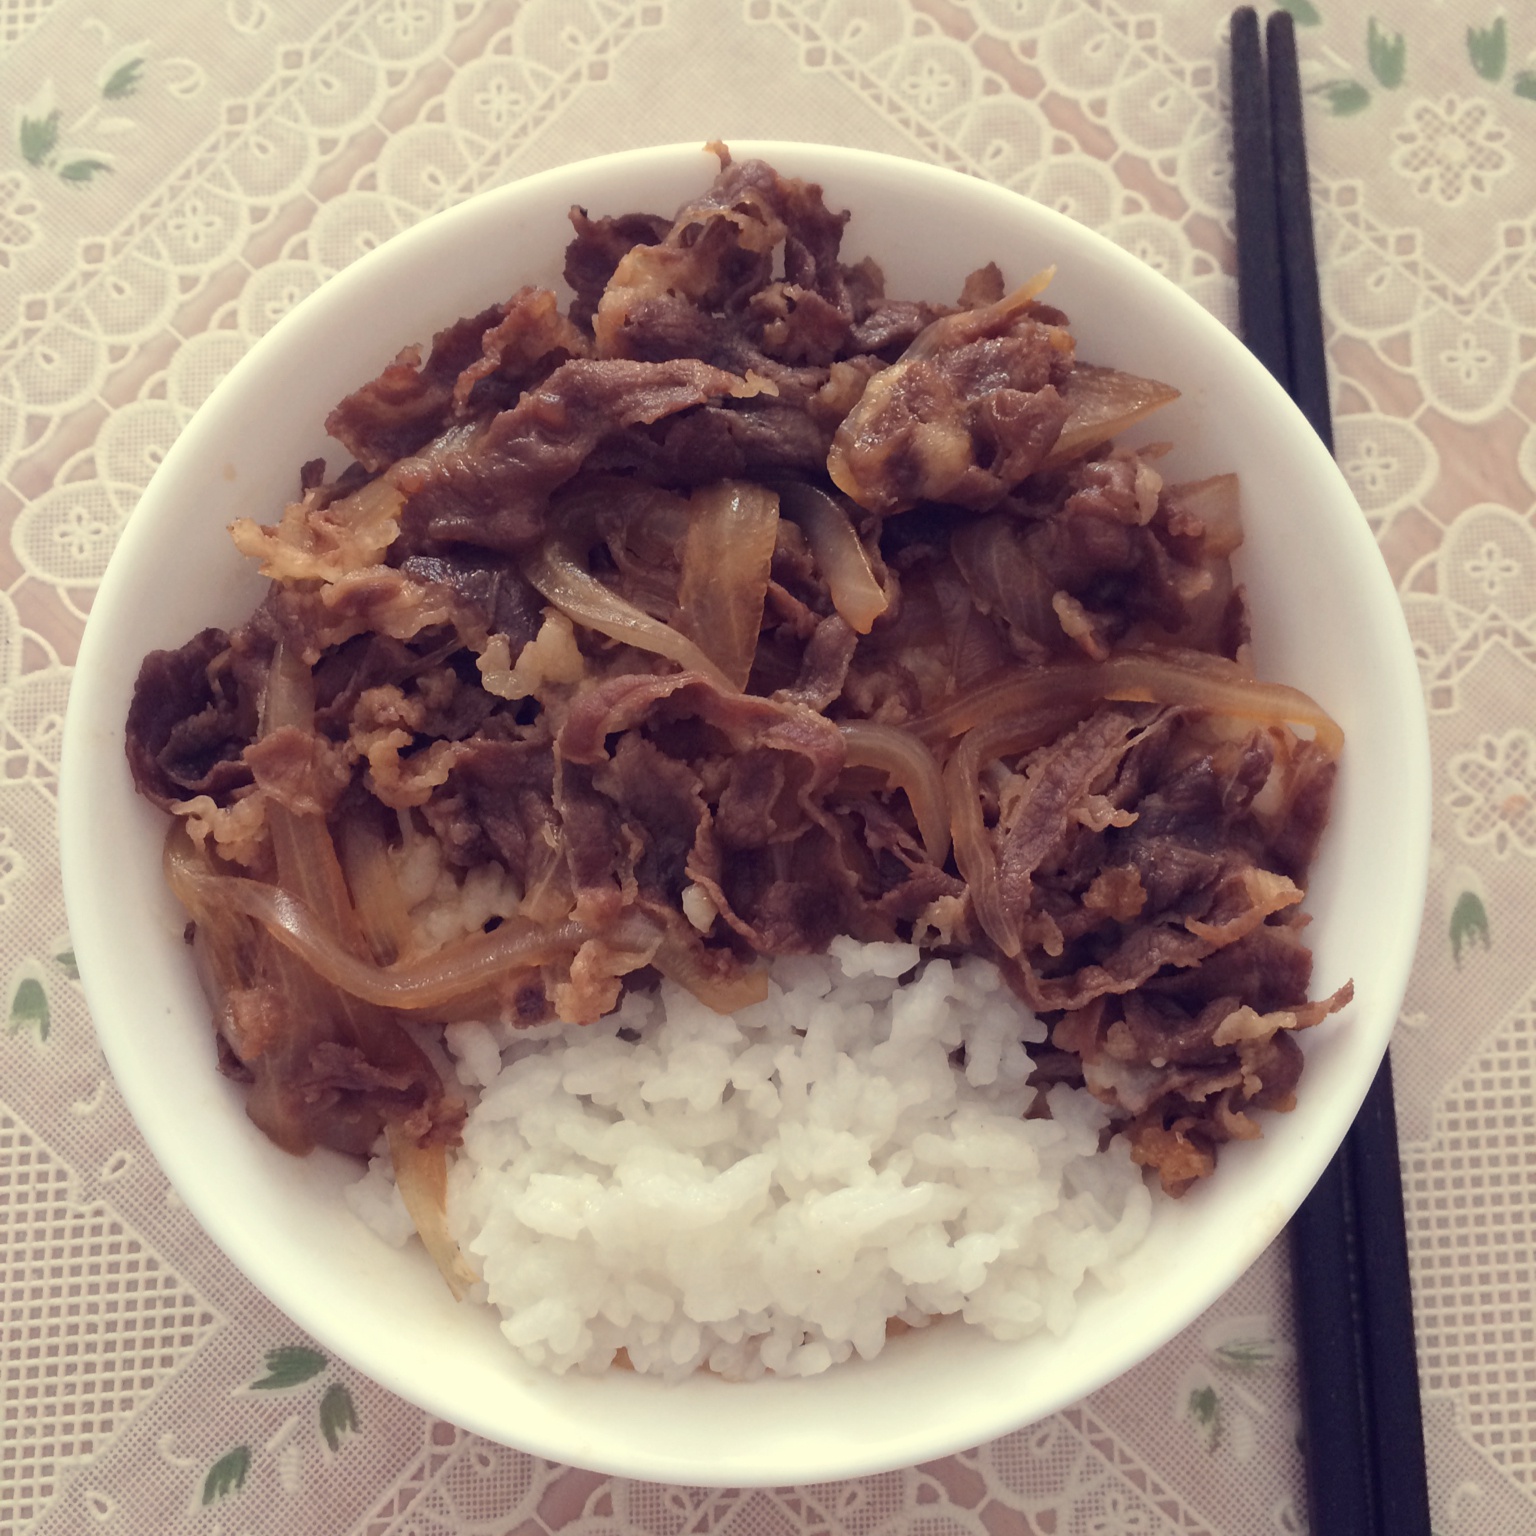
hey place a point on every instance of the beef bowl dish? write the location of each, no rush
(756, 846)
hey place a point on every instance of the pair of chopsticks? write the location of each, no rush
(1364, 1433)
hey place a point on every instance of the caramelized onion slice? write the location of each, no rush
(558, 572)
(421, 1176)
(1192, 679)
(1103, 402)
(381, 907)
(974, 857)
(839, 554)
(429, 982)
(727, 554)
(907, 762)
(967, 325)
(1216, 503)
(716, 977)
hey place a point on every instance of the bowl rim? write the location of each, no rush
(88, 709)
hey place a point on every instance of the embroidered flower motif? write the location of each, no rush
(497, 101)
(1119, 1515)
(1491, 567)
(1494, 792)
(280, 300)
(1370, 468)
(18, 216)
(1451, 147)
(1467, 359)
(404, 21)
(82, 534)
(930, 85)
(196, 224)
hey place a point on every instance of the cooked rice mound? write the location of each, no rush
(767, 1191)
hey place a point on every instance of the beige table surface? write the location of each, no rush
(174, 177)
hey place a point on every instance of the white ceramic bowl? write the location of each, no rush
(1325, 616)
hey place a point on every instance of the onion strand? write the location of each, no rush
(558, 572)
(906, 760)
(428, 982)
(1190, 679)
(727, 556)
(839, 554)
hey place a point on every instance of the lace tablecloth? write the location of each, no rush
(176, 178)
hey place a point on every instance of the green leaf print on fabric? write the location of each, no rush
(1388, 55)
(123, 81)
(288, 1366)
(82, 170)
(1247, 1354)
(1525, 84)
(1344, 97)
(338, 1416)
(227, 1474)
(1205, 1410)
(65, 960)
(1303, 12)
(1469, 920)
(38, 137)
(1488, 48)
(29, 1008)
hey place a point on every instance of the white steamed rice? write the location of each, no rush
(766, 1191)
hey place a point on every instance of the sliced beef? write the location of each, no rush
(487, 484)
(598, 248)
(408, 404)
(489, 586)
(194, 712)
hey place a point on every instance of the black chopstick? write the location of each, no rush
(1260, 275)
(1298, 256)
(1361, 1413)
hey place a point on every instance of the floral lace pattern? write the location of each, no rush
(1494, 794)
(1452, 150)
(176, 182)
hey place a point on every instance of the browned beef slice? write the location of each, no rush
(621, 702)
(824, 664)
(600, 245)
(1131, 961)
(1058, 779)
(753, 439)
(963, 421)
(790, 898)
(489, 586)
(1160, 1029)
(596, 854)
(190, 720)
(798, 325)
(667, 327)
(498, 803)
(339, 1095)
(529, 339)
(660, 801)
(408, 404)
(1296, 842)
(485, 484)
(1120, 572)
(1192, 828)
(717, 300)
(891, 326)
(1269, 968)
(813, 233)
